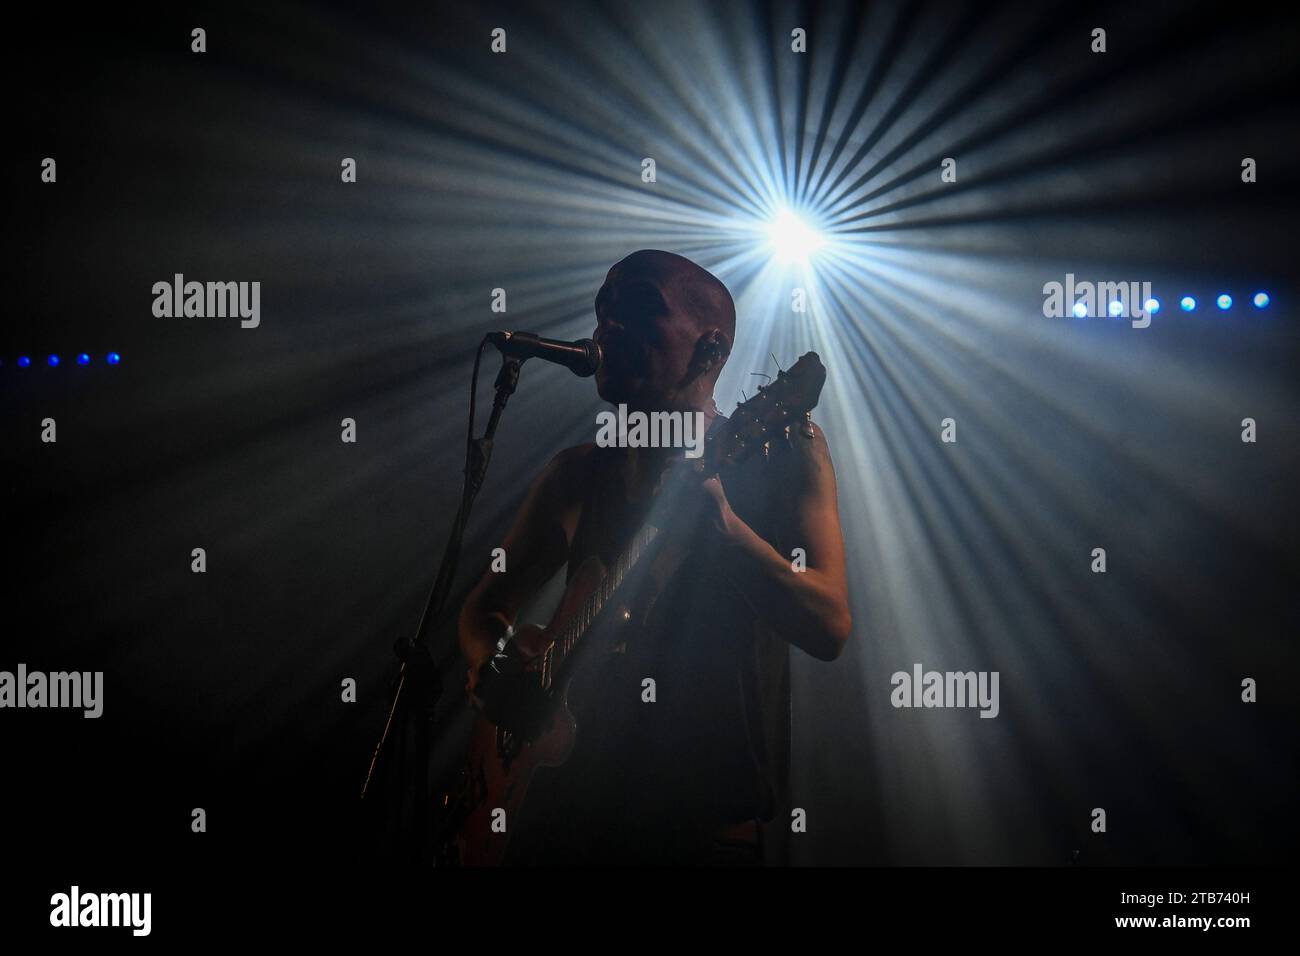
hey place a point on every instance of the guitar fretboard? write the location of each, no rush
(581, 621)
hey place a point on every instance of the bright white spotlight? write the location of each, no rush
(792, 239)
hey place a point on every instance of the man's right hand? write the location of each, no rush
(481, 658)
(537, 547)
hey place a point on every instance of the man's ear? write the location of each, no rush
(712, 349)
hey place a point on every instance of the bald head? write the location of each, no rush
(666, 326)
(700, 294)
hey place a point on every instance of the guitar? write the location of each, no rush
(526, 723)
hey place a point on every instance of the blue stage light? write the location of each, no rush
(1117, 309)
(114, 358)
(83, 359)
(24, 361)
(1152, 306)
(1080, 310)
(1224, 301)
(1188, 303)
(1261, 300)
(53, 361)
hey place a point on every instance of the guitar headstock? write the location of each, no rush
(782, 403)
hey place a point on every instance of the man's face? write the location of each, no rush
(647, 343)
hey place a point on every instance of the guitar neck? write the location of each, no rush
(580, 622)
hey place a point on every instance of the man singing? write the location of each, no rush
(687, 776)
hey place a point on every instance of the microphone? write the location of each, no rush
(582, 357)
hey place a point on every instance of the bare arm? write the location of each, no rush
(536, 547)
(809, 608)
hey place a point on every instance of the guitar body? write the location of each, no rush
(501, 764)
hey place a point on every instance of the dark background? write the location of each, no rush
(222, 690)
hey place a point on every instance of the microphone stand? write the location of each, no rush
(418, 684)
